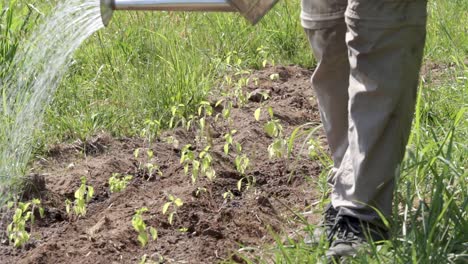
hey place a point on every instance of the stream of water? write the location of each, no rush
(34, 75)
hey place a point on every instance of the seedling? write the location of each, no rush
(229, 141)
(83, 195)
(16, 230)
(273, 128)
(118, 183)
(199, 191)
(206, 160)
(177, 116)
(173, 203)
(140, 226)
(152, 129)
(200, 166)
(242, 162)
(148, 168)
(226, 106)
(278, 149)
(228, 196)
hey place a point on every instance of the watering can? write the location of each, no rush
(252, 10)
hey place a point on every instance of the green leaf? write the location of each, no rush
(270, 111)
(210, 173)
(239, 184)
(136, 153)
(154, 233)
(226, 148)
(166, 207)
(292, 138)
(257, 114)
(170, 218)
(41, 212)
(143, 238)
(178, 202)
(90, 194)
(270, 129)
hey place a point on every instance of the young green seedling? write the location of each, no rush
(206, 166)
(152, 130)
(149, 168)
(279, 147)
(16, 230)
(177, 116)
(83, 195)
(229, 141)
(228, 196)
(173, 203)
(140, 226)
(201, 165)
(118, 183)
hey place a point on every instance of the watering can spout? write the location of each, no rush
(252, 10)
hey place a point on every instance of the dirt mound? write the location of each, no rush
(216, 218)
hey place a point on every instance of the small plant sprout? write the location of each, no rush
(201, 165)
(199, 191)
(148, 168)
(242, 162)
(274, 77)
(229, 141)
(16, 230)
(227, 110)
(206, 166)
(273, 128)
(177, 116)
(205, 109)
(152, 129)
(83, 195)
(278, 149)
(118, 183)
(173, 203)
(228, 195)
(188, 158)
(140, 226)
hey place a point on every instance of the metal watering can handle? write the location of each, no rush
(252, 10)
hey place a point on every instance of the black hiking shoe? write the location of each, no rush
(350, 234)
(325, 226)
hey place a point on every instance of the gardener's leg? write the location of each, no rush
(386, 42)
(325, 27)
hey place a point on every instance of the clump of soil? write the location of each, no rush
(208, 227)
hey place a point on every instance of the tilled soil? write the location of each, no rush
(207, 228)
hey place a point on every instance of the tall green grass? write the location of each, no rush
(144, 63)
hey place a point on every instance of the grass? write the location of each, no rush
(126, 75)
(134, 71)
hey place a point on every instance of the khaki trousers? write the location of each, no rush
(369, 55)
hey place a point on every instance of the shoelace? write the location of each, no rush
(343, 227)
(330, 216)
